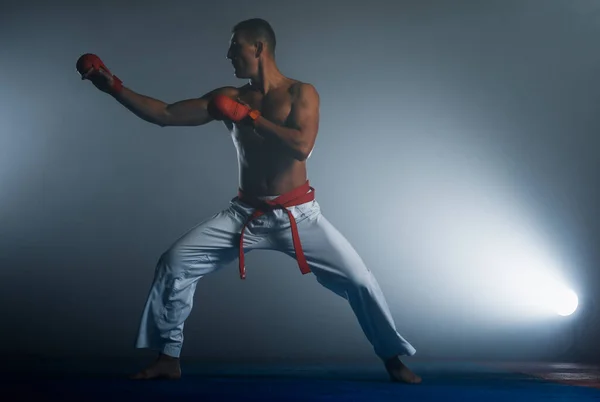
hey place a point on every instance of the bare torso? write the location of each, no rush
(265, 167)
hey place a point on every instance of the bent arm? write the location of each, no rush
(190, 112)
(299, 134)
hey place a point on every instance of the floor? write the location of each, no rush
(70, 380)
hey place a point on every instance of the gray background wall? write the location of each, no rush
(457, 152)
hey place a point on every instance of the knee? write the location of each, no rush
(171, 262)
(361, 282)
(181, 262)
(348, 275)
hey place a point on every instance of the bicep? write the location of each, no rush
(194, 112)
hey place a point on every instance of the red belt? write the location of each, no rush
(297, 196)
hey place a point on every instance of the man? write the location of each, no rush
(273, 121)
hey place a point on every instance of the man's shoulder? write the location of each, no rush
(299, 88)
(229, 90)
(300, 84)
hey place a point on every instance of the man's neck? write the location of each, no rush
(269, 77)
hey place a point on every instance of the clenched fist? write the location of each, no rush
(222, 107)
(90, 67)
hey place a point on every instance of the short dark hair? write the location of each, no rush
(257, 28)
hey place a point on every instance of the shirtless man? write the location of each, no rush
(273, 121)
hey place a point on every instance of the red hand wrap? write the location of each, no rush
(223, 107)
(91, 61)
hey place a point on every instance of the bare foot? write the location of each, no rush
(164, 367)
(400, 373)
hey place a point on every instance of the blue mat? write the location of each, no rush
(442, 381)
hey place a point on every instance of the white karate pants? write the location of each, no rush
(215, 242)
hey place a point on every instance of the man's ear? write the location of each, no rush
(259, 48)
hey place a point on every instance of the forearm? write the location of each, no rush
(147, 108)
(291, 139)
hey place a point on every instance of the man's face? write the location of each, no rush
(242, 54)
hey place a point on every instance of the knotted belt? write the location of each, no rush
(297, 196)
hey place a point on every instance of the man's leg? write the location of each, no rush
(338, 267)
(202, 250)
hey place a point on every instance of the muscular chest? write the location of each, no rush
(275, 106)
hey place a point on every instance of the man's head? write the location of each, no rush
(252, 42)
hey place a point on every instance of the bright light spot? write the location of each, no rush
(539, 293)
(566, 303)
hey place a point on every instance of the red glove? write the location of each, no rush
(91, 67)
(222, 107)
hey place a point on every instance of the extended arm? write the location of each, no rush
(190, 112)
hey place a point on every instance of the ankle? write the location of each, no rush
(391, 359)
(162, 356)
(393, 362)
